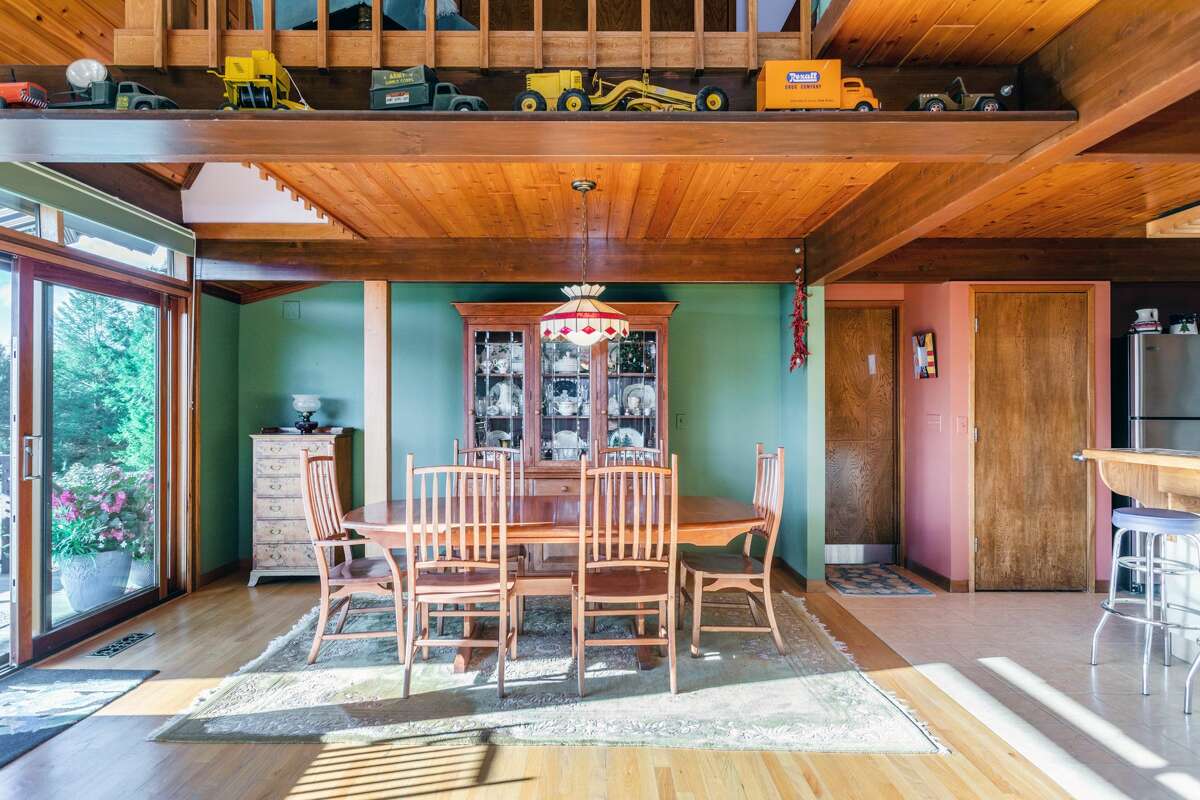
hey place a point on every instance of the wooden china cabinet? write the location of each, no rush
(557, 400)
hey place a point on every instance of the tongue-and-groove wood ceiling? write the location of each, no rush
(632, 201)
(894, 32)
(42, 32)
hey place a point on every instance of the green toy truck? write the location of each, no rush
(418, 89)
(123, 96)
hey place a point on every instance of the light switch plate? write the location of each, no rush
(680, 421)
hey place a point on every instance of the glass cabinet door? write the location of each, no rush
(498, 407)
(632, 393)
(564, 401)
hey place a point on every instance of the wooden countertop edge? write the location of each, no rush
(1179, 459)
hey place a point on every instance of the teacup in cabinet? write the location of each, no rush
(281, 545)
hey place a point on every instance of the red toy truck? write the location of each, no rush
(22, 94)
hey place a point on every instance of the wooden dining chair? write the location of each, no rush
(456, 532)
(627, 555)
(514, 460)
(712, 571)
(342, 575)
(628, 454)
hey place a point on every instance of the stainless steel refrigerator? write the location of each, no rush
(1164, 391)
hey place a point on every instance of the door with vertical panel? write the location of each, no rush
(862, 519)
(1032, 405)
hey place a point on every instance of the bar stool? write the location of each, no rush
(1149, 525)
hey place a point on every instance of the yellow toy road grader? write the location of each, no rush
(258, 81)
(564, 90)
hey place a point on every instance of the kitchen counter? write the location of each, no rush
(1160, 479)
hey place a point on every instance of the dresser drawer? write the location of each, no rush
(277, 486)
(280, 530)
(276, 467)
(291, 448)
(278, 508)
(285, 556)
(548, 486)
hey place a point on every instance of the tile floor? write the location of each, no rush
(1019, 663)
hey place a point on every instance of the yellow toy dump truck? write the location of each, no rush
(811, 86)
(564, 91)
(258, 81)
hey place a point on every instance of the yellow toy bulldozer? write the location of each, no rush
(564, 90)
(258, 81)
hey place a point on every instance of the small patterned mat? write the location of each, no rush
(872, 579)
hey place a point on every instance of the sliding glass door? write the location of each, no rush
(92, 453)
(7, 596)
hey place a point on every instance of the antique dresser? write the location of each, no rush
(280, 542)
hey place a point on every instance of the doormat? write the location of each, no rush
(871, 579)
(38, 704)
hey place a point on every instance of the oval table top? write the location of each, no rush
(551, 519)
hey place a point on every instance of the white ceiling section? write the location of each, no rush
(236, 193)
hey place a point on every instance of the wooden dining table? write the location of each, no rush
(554, 519)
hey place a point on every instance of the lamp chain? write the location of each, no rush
(586, 236)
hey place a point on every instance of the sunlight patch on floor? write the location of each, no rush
(1047, 756)
(1087, 721)
(1180, 783)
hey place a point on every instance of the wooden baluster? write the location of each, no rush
(430, 32)
(376, 33)
(485, 26)
(322, 34)
(751, 34)
(537, 34)
(268, 23)
(160, 34)
(591, 34)
(698, 45)
(646, 34)
(216, 25)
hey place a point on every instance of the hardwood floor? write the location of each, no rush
(201, 638)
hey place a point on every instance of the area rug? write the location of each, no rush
(38, 704)
(740, 695)
(871, 579)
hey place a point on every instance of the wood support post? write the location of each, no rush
(698, 57)
(160, 33)
(216, 24)
(377, 391)
(806, 32)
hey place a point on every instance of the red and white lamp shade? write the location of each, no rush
(584, 319)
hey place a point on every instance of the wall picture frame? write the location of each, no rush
(924, 355)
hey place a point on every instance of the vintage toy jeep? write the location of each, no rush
(957, 98)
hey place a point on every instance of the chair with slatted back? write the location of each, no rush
(712, 571)
(488, 456)
(456, 529)
(344, 578)
(628, 454)
(627, 555)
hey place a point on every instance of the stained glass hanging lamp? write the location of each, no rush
(584, 319)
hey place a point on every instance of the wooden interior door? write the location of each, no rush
(861, 495)
(1032, 405)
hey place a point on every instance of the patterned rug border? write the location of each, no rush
(162, 733)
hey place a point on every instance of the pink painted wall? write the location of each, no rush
(936, 432)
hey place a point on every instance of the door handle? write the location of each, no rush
(27, 456)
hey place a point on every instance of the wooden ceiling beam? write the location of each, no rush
(281, 184)
(326, 136)
(1171, 136)
(830, 24)
(1120, 260)
(1117, 65)
(486, 260)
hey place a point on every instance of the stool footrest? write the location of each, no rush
(1108, 607)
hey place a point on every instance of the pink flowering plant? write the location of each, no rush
(101, 508)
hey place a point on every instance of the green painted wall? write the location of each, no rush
(725, 378)
(802, 425)
(219, 517)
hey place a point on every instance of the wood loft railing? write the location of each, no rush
(149, 39)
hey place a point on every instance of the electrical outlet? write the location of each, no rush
(291, 309)
(680, 421)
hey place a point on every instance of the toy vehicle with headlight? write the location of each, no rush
(957, 98)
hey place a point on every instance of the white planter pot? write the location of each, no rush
(95, 579)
